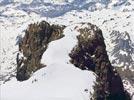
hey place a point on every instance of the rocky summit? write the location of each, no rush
(32, 47)
(89, 54)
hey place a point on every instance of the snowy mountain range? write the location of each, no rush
(114, 17)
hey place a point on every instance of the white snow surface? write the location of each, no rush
(55, 82)
(58, 51)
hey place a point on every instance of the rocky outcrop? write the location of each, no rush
(33, 45)
(90, 54)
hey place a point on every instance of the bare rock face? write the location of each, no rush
(90, 54)
(33, 45)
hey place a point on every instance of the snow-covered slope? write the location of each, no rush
(114, 17)
(55, 82)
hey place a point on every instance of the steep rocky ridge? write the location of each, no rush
(33, 45)
(90, 54)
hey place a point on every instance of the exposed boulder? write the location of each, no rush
(33, 45)
(91, 54)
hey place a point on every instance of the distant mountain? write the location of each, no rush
(53, 8)
(123, 50)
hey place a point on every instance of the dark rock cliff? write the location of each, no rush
(33, 45)
(91, 54)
